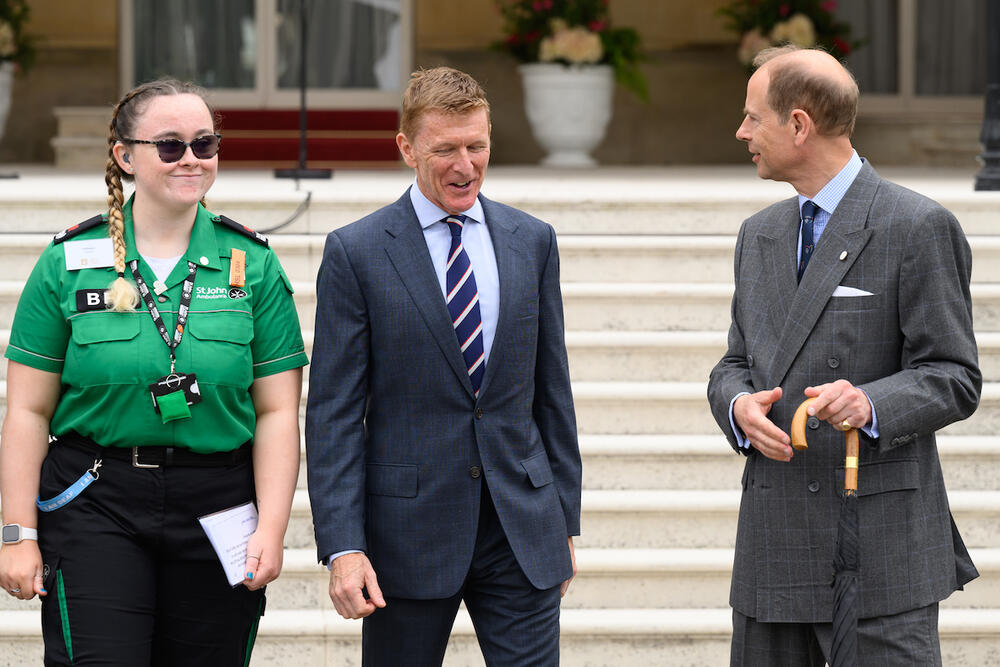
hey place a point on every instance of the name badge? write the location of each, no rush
(91, 299)
(89, 254)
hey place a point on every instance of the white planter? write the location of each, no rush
(568, 108)
(6, 85)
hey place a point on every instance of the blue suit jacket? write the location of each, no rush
(393, 427)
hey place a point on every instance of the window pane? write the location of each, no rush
(210, 43)
(876, 24)
(951, 47)
(350, 44)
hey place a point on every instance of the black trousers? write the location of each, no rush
(131, 577)
(517, 625)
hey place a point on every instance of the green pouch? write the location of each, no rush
(173, 406)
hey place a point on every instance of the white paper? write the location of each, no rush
(844, 290)
(229, 531)
(89, 254)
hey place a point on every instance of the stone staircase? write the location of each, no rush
(647, 272)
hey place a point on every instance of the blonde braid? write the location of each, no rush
(122, 294)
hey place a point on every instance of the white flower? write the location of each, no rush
(753, 42)
(798, 30)
(576, 45)
(8, 46)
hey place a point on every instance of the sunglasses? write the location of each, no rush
(172, 150)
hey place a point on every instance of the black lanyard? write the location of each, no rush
(154, 312)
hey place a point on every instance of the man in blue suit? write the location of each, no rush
(440, 431)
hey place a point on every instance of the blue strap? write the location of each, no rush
(69, 494)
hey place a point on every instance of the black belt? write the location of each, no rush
(155, 457)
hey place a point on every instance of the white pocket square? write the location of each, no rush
(843, 290)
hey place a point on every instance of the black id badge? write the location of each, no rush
(173, 395)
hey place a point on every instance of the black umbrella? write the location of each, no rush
(844, 649)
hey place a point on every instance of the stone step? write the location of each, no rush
(682, 200)
(613, 307)
(583, 258)
(659, 356)
(691, 462)
(679, 356)
(669, 637)
(611, 578)
(690, 519)
(606, 579)
(681, 408)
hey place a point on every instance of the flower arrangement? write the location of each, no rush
(806, 23)
(15, 45)
(572, 32)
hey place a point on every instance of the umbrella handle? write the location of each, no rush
(850, 441)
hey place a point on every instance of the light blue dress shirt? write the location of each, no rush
(827, 200)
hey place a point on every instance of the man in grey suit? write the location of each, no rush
(443, 461)
(855, 292)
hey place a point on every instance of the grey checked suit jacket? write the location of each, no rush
(393, 427)
(909, 345)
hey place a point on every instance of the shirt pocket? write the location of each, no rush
(102, 349)
(219, 350)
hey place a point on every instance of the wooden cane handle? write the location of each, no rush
(851, 461)
(799, 425)
(850, 442)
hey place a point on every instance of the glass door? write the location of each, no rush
(248, 52)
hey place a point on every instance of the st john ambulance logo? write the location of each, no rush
(236, 293)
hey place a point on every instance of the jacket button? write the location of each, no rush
(475, 472)
(813, 486)
(750, 360)
(833, 362)
(813, 422)
(479, 413)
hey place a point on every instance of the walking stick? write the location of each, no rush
(846, 559)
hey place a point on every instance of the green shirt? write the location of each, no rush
(107, 360)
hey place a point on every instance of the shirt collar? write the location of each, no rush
(202, 243)
(428, 213)
(829, 197)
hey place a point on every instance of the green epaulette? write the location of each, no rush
(79, 228)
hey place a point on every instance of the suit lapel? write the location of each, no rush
(778, 250)
(506, 250)
(846, 235)
(408, 253)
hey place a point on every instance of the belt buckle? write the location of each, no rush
(135, 460)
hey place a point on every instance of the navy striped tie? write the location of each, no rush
(463, 304)
(809, 210)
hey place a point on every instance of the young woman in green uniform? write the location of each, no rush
(160, 348)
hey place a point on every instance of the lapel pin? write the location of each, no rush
(843, 255)
(158, 287)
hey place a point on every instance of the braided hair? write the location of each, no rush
(123, 294)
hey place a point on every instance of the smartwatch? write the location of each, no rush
(15, 532)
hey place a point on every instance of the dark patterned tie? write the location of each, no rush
(809, 210)
(463, 303)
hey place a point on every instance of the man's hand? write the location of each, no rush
(838, 402)
(750, 412)
(349, 574)
(564, 586)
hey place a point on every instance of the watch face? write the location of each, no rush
(11, 533)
